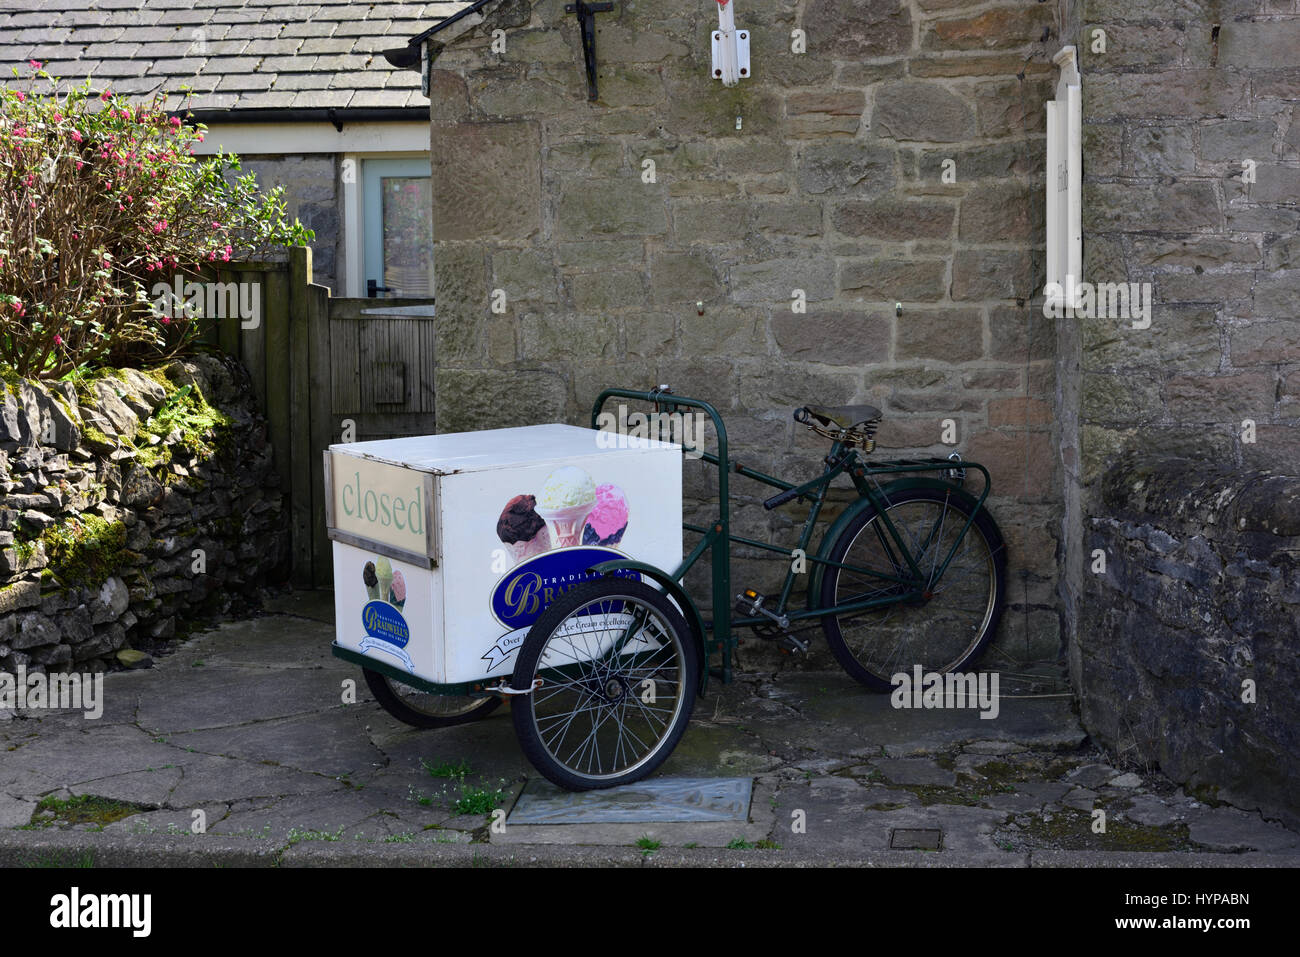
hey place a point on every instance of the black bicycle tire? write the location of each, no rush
(399, 709)
(526, 664)
(986, 526)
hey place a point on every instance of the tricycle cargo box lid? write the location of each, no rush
(495, 448)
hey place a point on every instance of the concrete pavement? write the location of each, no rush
(244, 729)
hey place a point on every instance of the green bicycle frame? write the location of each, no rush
(716, 539)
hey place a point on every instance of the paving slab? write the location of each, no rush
(662, 800)
(751, 825)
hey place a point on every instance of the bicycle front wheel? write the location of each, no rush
(954, 618)
(618, 667)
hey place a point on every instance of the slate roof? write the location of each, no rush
(233, 54)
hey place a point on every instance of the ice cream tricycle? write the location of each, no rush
(545, 564)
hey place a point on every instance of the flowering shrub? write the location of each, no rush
(101, 199)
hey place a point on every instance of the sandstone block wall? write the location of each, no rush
(604, 224)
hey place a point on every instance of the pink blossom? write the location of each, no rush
(20, 131)
(58, 117)
(20, 95)
(225, 254)
(58, 340)
(19, 308)
(160, 226)
(175, 121)
(106, 95)
(35, 64)
(80, 164)
(166, 321)
(76, 136)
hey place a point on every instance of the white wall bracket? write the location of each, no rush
(730, 46)
(1065, 185)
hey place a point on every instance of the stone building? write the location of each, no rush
(884, 163)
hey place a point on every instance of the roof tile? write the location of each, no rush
(186, 16)
(269, 100)
(302, 81)
(326, 45)
(315, 99)
(183, 66)
(99, 35)
(311, 28)
(289, 45)
(246, 30)
(245, 81)
(115, 68)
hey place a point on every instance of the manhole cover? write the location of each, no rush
(666, 800)
(915, 839)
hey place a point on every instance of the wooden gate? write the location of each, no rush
(324, 371)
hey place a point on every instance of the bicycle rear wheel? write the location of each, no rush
(946, 629)
(618, 667)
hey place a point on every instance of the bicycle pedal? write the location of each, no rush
(750, 603)
(791, 645)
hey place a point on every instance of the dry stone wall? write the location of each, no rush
(1189, 634)
(749, 245)
(130, 505)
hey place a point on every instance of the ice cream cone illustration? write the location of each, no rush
(371, 581)
(384, 575)
(567, 498)
(608, 519)
(397, 591)
(522, 531)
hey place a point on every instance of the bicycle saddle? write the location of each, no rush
(844, 416)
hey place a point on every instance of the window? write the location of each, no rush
(397, 214)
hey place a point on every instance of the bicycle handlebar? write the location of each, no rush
(780, 498)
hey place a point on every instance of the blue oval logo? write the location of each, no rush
(523, 594)
(384, 622)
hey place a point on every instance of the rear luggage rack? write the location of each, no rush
(955, 473)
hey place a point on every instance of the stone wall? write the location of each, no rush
(130, 504)
(824, 173)
(313, 194)
(1183, 439)
(1188, 636)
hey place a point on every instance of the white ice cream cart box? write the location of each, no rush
(448, 547)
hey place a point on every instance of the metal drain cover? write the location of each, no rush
(915, 839)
